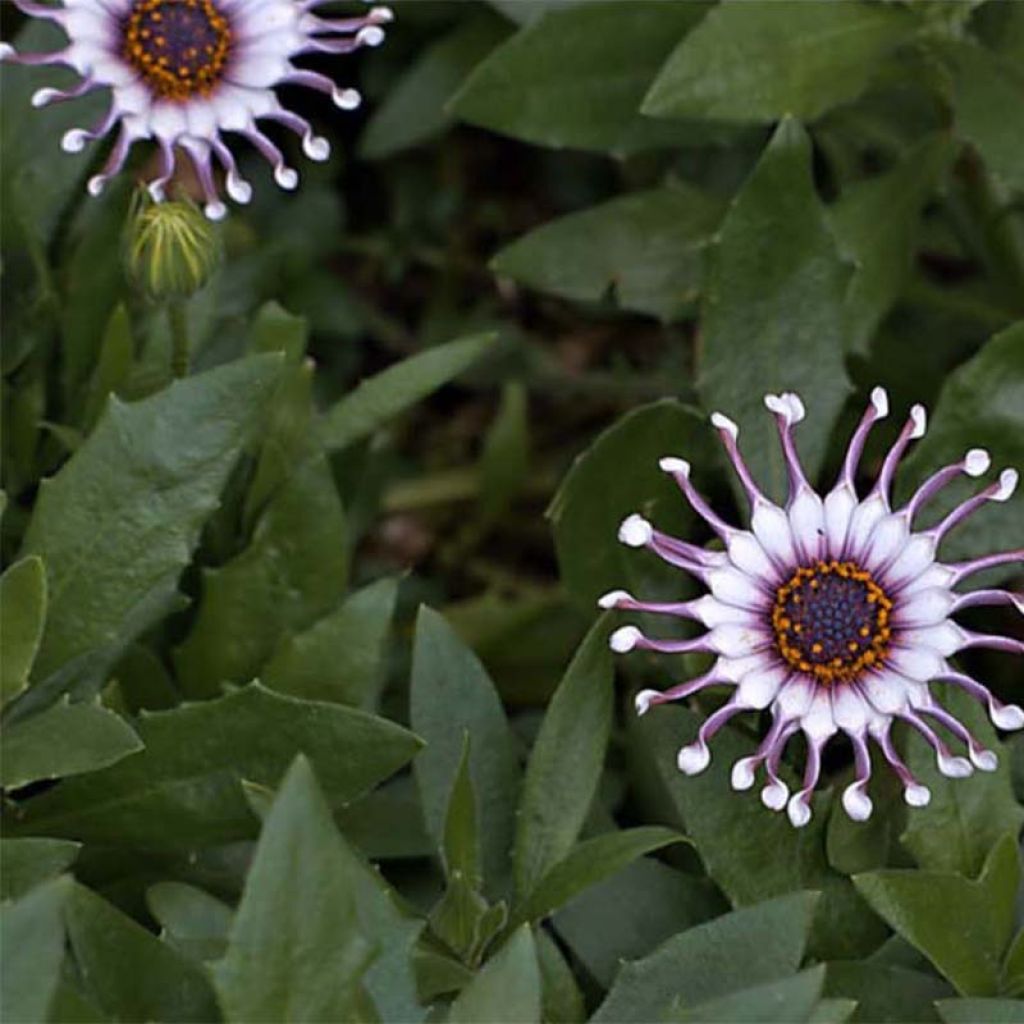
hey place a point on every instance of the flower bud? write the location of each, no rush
(172, 249)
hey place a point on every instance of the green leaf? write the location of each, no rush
(193, 921)
(561, 999)
(294, 572)
(789, 1001)
(988, 107)
(22, 614)
(464, 922)
(340, 657)
(461, 840)
(129, 972)
(566, 761)
(886, 995)
(774, 306)
(920, 905)
(506, 990)
(183, 789)
(413, 112)
(505, 460)
(877, 224)
(38, 179)
(630, 913)
(451, 695)
(295, 950)
(590, 862)
(732, 835)
(833, 1011)
(966, 817)
(376, 400)
(113, 364)
(1013, 967)
(113, 554)
(576, 77)
(28, 862)
(741, 949)
(65, 739)
(762, 61)
(616, 476)
(645, 249)
(981, 405)
(971, 1011)
(32, 938)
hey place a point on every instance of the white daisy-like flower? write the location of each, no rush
(834, 613)
(185, 72)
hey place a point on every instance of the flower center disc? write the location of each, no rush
(180, 47)
(831, 620)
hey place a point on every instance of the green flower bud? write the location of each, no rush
(172, 248)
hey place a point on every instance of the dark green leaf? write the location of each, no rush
(113, 365)
(646, 249)
(461, 839)
(504, 462)
(1013, 967)
(65, 739)
(733, 834)
(565, 763)
(38, 179)
(451, 695)
(626, 916)
(22, 614)
(773, 308)
(113, 554)
(833, 1011)
(294, 572)
(988, 107)
(921, 905)
(741, 949)
(129, 972)
(506, 990)
(414, 110)
(616, 476)
(183, 789)
(562, 1001)
(193, 921)
(295, 950)
(877, 224)
(762, 61)
(590, 862)
(973, 1011)
(27, 862)
(576, 77)
(966, 817)
(367, 408)
(886, 995)
(981, 405)
(339, 658)
(789, 1001)
(32, 938)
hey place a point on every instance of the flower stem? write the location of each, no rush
(179, 337)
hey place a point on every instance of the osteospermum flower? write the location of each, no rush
(185, 72)
(833, 612)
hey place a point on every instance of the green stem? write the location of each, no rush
(178, 320)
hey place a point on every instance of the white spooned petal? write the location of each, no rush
(945, 638)
(759, 688)
(770, 526)
(785, 547)
(838, 509)
(746, 553)
(713, 612)
(807, 521)
(263, 38)
(734, 587)
(924, 607)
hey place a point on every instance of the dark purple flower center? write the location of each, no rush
(180, 47)
(831, 620)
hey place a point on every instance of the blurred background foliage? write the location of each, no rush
(628, 214)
